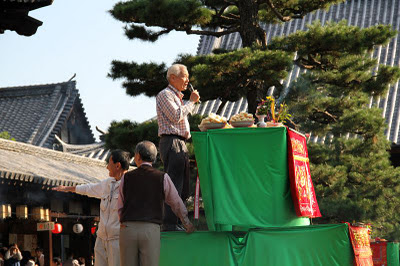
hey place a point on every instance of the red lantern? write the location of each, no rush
(57, 229)
(93, 230)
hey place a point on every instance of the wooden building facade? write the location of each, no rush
(27, 174)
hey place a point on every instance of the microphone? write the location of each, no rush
(190, 87)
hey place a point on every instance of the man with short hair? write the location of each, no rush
(174, 130)
(39, 258)
(106, 249)
(143, 192)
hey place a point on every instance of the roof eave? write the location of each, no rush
(18, 5)
(13, 176)
(19, 22)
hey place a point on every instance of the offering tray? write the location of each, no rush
(242, 123)
(214, 125)
(205, 127)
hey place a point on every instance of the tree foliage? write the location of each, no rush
(126, 134)
(245, 72)
(351, 169)
(6, 135)
(202, 17)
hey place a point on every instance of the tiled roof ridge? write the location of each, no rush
(20, 147)
(78, 98)
(57, 103)
(64, 116)
(50, 85)
(79, 147)
(26, 1)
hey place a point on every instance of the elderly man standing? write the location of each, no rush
(174, 130)
(106, 249)
(140, 206)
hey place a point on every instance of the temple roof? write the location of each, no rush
(29, 163)
(35, 114)
(95, 150)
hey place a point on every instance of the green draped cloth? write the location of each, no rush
(392, 254)
(327, 245)
(244, 178)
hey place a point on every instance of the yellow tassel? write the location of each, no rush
(273, 109)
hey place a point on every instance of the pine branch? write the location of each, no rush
(278, 14)
(221, 11)
(324, 112)
(210, 33)
(231, 17)
(305, 63)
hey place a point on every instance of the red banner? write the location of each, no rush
(303, 194)
(379, 255)
(360, 242)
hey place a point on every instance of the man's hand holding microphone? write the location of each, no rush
(194, 94)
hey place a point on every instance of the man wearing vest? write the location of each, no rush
(143, 192)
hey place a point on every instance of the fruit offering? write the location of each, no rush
(243, 116)
(213, 118)
(213, 121)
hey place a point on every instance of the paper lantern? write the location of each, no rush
(57, 228)
(77, 228)
(93, 230)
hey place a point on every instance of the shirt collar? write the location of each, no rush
(178, 93)
(146, 163)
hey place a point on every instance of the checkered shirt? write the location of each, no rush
(172, 113)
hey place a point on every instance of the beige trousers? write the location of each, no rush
(106, 253)
(139, 242)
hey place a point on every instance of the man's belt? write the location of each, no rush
(174, 136)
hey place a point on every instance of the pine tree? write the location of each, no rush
(353, 177)
(247, 72)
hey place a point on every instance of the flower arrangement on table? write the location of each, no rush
(268, 109)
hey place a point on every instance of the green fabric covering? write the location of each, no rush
(244, 178)
(327, 245)
(198, 248)
(392, 253)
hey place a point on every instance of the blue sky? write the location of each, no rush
(81, 37)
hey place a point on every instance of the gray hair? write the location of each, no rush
(147, 151)
(175, 69)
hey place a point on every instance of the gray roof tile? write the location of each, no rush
(35, 114)
(20, 161)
